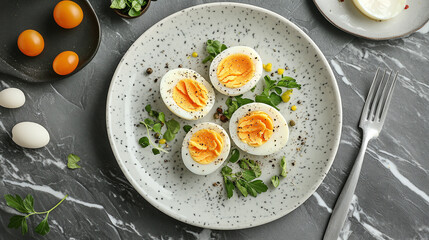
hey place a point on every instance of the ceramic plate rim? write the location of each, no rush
(363, 36)
(312, 189)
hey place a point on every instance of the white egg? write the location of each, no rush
(12, 98)
(280, 130)
(204, 169)
(224, 78)
(380, 9)
(30, 135)
(168, 83)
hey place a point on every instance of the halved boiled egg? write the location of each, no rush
(258, 129)
(380, 9)
(236, 70)
(186, 93)
(205, 147)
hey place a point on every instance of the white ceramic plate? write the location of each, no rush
(163, 180)
(345, 16)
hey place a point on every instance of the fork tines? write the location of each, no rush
(377, 102)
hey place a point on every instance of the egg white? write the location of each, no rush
(205, 169)
(246, 87)
(380, 9)
(277, 141)
(170, 80)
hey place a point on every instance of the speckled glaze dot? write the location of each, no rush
(163, 180)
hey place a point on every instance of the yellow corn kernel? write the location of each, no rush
(194, 54)
(162, 141)
(293, 108)
(267, 67)
(286, 95)
(280, 71)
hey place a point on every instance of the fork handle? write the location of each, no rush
(341, 209)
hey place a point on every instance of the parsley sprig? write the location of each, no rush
(271, 94)
(155, 124)
(72, 161)
(26, 206)
(243, 180)
(213, 48)
(272, 91)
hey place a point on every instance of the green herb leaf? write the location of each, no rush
(226, 171)
(275, 99)
(169, 136)
(283, 165)
(173, 126)
(149, 122)
(72, 161)
(155, 151)
(213, 48)
(235, 155)
(161, 117)
(144, 142)
(133, 13)
(118, 4)
(43, 227)
(187, 128)
(249, 175)
(278, 90)
(148, 108)
(247, 164)
(229, 186)
(136, 6)
(240, 186)
(15, 221)
(259, 186)
(275, 180)
(157, 128)
(253, 89)
(251, 190)
(24, 226)
(16, 203)
(243, 101)
(29, 203)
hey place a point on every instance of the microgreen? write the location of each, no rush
(187, 128)
(244, 180)
(213, 48)
(132, 7)
(235, 155)
(72, 161)
(234, 103)
(156, 124)
(271, 94)
(26, 206)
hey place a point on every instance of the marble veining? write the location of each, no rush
(391, 200)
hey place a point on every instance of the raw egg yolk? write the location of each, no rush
(68, 14)
(190, 95)
(31, 43)
(205, 146)
(235, 70)
(255, 128)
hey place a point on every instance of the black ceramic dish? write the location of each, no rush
(19, 15)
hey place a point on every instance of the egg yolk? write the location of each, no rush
(205, 146)
(190, 95)
(235, 70)
(255, 128)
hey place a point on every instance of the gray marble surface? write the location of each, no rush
(391, 200)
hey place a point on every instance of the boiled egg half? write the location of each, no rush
(380, 9)
(186, 93)
(258, 129)
(205, 147)
(236, 70)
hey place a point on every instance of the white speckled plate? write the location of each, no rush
(163, 180)
(345, 16)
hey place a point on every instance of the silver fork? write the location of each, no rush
(371, 122)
